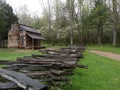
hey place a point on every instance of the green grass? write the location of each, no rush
(13, 54)
(107, 48)
(102, 74)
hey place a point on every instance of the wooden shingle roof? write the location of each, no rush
(31, 32)
(28, 28)
(35, 36)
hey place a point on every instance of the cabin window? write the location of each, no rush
(21, 31)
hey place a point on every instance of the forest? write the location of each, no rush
(69, 21)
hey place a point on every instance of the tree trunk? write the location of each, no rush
(115, 22)
(114, 37)
(100, 32)
(49, 15)
(71, 18)
(71, 35)
(99, 38)
(0, 42)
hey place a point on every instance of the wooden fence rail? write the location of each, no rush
(50, 68)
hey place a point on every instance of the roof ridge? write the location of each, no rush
(26, 25)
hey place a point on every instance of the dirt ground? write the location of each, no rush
(106, 54)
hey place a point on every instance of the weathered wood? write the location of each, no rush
(43, 73)
(62, 50)
(80, 48)
(60, 79)
(62, 56)
(51, 67)
(55, 79)
(6, 62)
(52, 72)
(45, 59)
(29, 67)
(22, 80)
(56, 72)
(65, 52)
(8, 85)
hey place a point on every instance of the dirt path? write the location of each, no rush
(106, 54)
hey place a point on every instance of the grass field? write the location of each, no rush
(13, 54)
(102, 73)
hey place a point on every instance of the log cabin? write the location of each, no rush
(23, 36)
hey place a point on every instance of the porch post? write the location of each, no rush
(32, 43)
(38, 43)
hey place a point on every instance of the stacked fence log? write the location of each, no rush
(52, 67)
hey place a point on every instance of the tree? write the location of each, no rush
(61, 21)
(77, 21)
(24, 15)
(71, 12)
(98, 18)
(49, 14)
(82, 19)
(57, 15)
(7, 17)
(115, 22)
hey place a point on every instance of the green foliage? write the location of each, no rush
(38, 23)
(7, 17)
(87, 21)
(98, 18)
(99, 12)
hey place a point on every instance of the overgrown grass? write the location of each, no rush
(102, 74)
(107, 48)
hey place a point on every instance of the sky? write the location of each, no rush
(34, 6)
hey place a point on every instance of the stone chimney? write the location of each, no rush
(13, 36)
